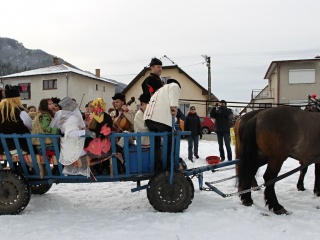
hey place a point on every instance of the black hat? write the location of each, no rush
(55, 100)
(223, 101)
(173, 81)
(119, 96)
(144, 98)
(155, 61)
(12, 91)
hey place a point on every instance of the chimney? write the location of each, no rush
(55, 60)
(97, 72)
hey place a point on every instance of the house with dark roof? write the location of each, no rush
(61, 81)
(192, 93)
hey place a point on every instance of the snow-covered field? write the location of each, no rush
(111, 211)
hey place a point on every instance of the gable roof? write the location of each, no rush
(146, 69)
(273, 65)
(62, 68)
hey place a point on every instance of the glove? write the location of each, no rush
(90, 133)
(200, 136)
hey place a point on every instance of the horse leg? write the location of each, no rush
(246, 197)
(270, 197)
(316, 189)
(300, 184)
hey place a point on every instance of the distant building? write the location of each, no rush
(289, 82)
(61, 81)
(192, 92)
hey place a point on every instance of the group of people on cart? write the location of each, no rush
(84, 137)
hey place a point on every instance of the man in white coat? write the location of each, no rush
(158, 116)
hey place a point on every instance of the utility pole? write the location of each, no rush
(208, 63)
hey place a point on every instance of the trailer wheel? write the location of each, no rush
(40, 188)
(170, 198)
(15, 192)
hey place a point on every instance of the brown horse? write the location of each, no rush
(238, 130)
(270, 137)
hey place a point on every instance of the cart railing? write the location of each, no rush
(135, 158)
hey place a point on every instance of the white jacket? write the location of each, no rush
(158, 109)
(139, 126)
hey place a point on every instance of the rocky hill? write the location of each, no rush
(14, 58)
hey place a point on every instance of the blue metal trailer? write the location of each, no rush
(169, 189)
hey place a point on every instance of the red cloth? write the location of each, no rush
(98, 146)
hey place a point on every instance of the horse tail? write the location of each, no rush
(248, 164)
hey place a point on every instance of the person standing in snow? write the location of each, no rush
(193, 124)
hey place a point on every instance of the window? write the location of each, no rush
(97, 87)
(265, 105)
(49, 84)
(104, 88)
(25, 90)
(184, 107)
(302, 76)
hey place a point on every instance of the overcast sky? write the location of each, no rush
(121, 36)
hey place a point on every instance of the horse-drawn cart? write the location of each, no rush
(169, 189)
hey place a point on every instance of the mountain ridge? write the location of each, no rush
(15, 58)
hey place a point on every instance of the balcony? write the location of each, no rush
(261, 94)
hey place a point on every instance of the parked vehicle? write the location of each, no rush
(207, 125)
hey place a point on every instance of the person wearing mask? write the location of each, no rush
(193, 124)
(222, 116)
(69, 121)
(153, 82)
(98, 149)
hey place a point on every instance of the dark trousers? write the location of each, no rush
(224, 136)
(193, 141)
(160, 127)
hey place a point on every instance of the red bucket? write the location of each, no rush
(213, 159)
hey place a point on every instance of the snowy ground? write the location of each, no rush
(111, 211)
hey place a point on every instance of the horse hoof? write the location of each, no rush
(281, 211)
(300, 187)
(317, 193)
(247, 203)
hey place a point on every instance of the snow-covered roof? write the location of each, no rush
(58, 69)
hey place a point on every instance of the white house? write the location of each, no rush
(61, 81)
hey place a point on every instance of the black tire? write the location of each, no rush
(40, 188)
(170, 198)
(205, 130)
(15, 192)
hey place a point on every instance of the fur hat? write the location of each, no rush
(173, 81)
(155, 61)
(120, 96)
(55, 100)
(12, 91)
(98, 107)
(224, 102)
(144, 98)
(68, 104)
